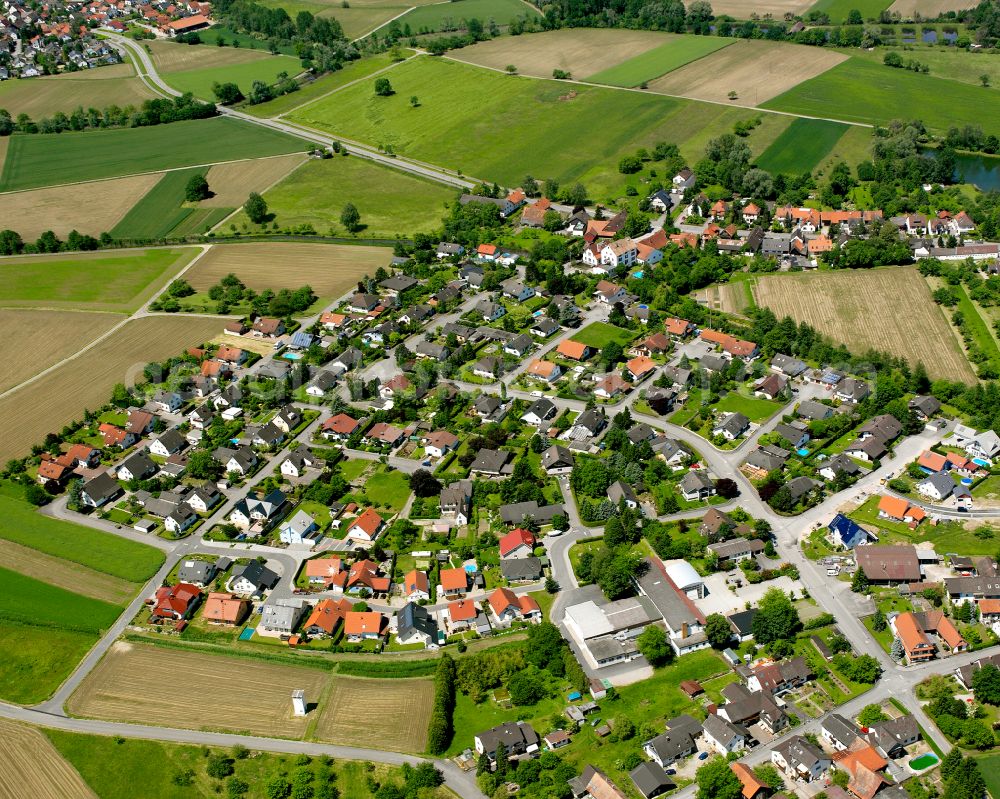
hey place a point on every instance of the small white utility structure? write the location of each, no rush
(299, 702)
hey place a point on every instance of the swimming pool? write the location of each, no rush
(638, 274)
(925, 760)
(980, 462)
(802, 451)
(292, 356)
(247, 633)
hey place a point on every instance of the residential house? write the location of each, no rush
(639, 368)
(175, 602)
(696, 485)
(544, 326)
(99, 491)
(518, 543)
(799, 759)
(137, 466)
(839, 465)
(489, 368)
(299, 529)
(366, 527)
(196, 572)
(736, 550)
(540, 411)
(778, 678)
(573, 350)
(508, 607)
(897, 509)
(650, 780)
(892, 737)
(521, 570)
(267, 327)
(547, 371)
(438, 443)
(384, 434)
(256, 510)
(414, 624)
(460, 615)
(492, 463)
(889, 564)
(364, 626)
(557, 460)
(611, 385)
(838, 732)
(852, 390)
(416, 586)
(180, 519)
(731, 426)
(283, 616)
(848, 533)
(814, 411)
(752, 786)
(326, 617)
(453, 582)
(253, 579)
(723, 736)
(225, 609)
(912, 629)
(456, 501)
(679, 741)
(517, 737)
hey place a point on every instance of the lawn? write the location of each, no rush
(989, 767)
(754, 408)
(802, 147)
(599, 334)
(37, 659)
(988, 488)
(391, 203)
(660, 60)
(266, 68)
(390, 489)
(57, 158)
(161, 209)
(103, 552)
(351, 71)
(434, 17)
(449, 128)
(97, 88)
(946, 536)
(977, 329)
(106, 281)
(860, 91)
(31, 601)
(156, 765)
(838, 10)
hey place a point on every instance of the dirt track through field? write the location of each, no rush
(887, 309)
(233, 182)
(396, 713)
(89, 208)
(31, 766)
(579, 51)
(756, 70)
(149, 684)
(330, 269)
(44, 406)
(37, 339)
(64, 574)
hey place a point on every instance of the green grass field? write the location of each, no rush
(391, 489)
(106, 281)
(37, 659)
(430, 18)
(802, 147)
(449, 127)
(351, 71)
(266, 68)
(754, 408)
(600, 334)
(944, 62)
(155, 764)
(860, 91)
(989, 767)
(161, 209)
(838, 10)
(31, 601)
(977, 327)
(211, 37)
(53, 159)
(103, 552)
(390, 202)
(660, 60)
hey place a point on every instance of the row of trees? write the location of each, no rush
(440, 728)
(152, 112)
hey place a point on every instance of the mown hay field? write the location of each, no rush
(330, 269)
(740, 9)
(113, 280)
(96, 88)
(38, 339)
(883, 309)
(263, 67)
(928, 9)
(756, 70)
(232, 183)
(671, 55)
(148, 684)
(61, 396)
(65, 574)
(90, 208)
(31, 766)
(438, 16)
(579, 51)
(801, 147)
(170, 57)
(396, 713)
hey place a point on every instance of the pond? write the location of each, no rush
(924, 761)
(981, 170)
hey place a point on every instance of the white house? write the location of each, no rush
(723, 736)
(619, 253)
(299, 529)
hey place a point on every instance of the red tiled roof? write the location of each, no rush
(514, 539)
(454, 579)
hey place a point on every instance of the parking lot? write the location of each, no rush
(720, 599)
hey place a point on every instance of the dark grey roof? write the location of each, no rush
(516, 736)
(516, 511)
(414, 617)
(840, 729)
(490, 461)
(258, 574)
(651, 780)
(102, 488)
(619, 490)
(521, 568)
(742, 621)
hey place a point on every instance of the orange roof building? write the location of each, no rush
(640, 366)
(752, 786)
(461, 612)
(573, 350)
(544, 369)
(322, 570)
(361, 625)
(454, 581)
(223, 608)
(327, 616)
(367, 526)
(934, 461)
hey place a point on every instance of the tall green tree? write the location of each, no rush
(350, 218)
(776, 618)
(255, 208)
(715, 780)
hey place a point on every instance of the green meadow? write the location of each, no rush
(161, 209)
(390, 202)
(838, 10)
(801, 147)
(660, 60)
(38, 659)
(431, 18)
(861, 91)
(102, 281)
(58, 158)
(103, 552)
(199, 81)
(29, 601)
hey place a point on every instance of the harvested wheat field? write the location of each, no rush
(756, 70)
(65, 574)
(232, 182)
(171, 57)
(579, 51)
(89, 208)
(44, 406)
(148, 684)
(886, 309)
(741, 9)
(331, 269)
(95, 88)
(928, 9)
(38, 339)
(31, 766)
(396, 713)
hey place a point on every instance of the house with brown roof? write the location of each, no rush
(544, 370)
(267, 327)
(340, 427)
(912, 629)
(438, 443)
(678, 328)
(326, 617)
(889, 564)
(223, 608)
(611, 385)
(385, 434)
(367, 526)
(508, 607)
(364, 626)
(753, 788)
